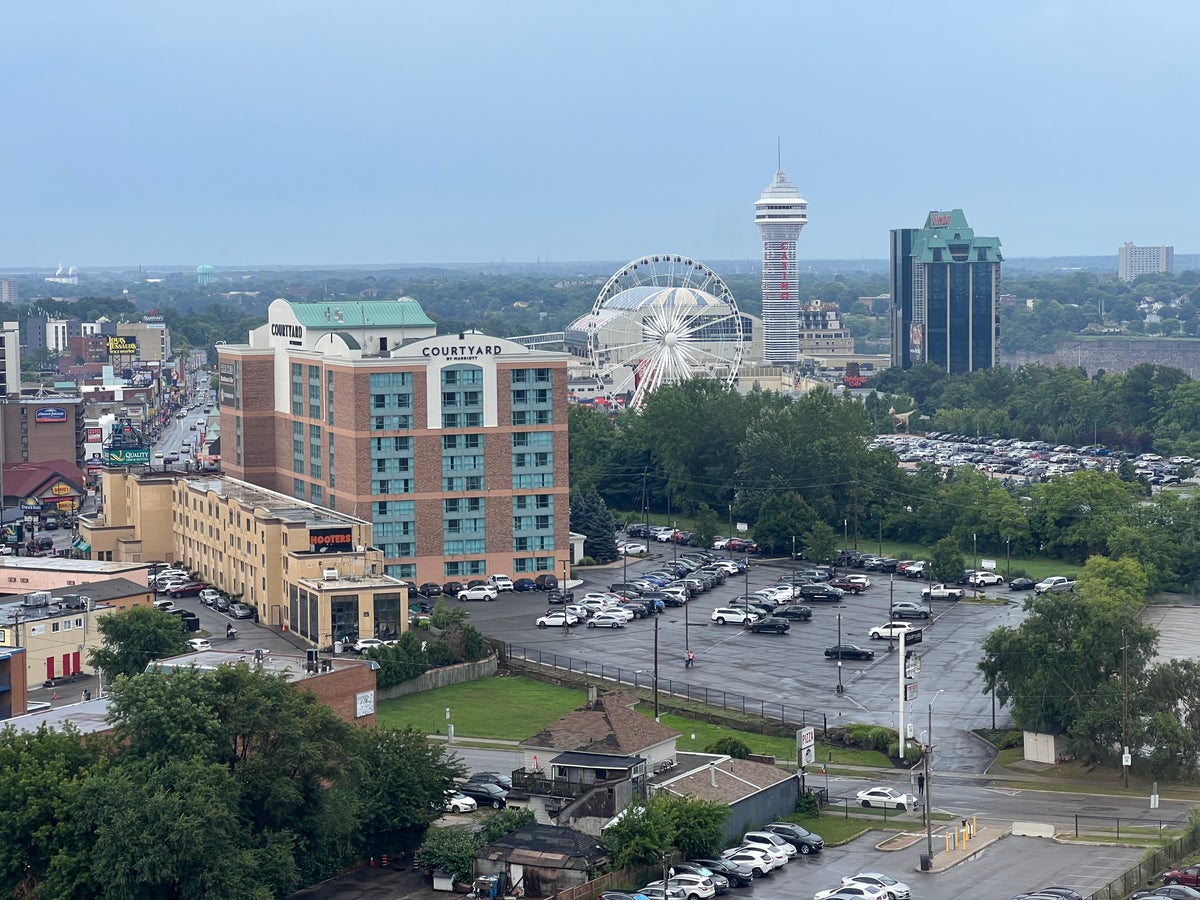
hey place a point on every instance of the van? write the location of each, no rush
(187, 446)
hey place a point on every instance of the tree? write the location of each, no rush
(781, 518)
(40, 777)
(821, 543)
(707, 526)
(591, 517)
(1061, 668)
(403, 787)
(402, 661)
(730, 746)
(699, 825)
(449, 849)
(946, 561)
(642, 834)
(135, 638)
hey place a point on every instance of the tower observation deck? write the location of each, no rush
(780, 214)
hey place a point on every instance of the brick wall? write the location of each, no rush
(339, 690)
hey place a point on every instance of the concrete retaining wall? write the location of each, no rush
(436, 678)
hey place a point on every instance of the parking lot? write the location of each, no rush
(791, 667)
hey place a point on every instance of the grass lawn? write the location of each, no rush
(499, 708)
(834, 830)
(696, 735)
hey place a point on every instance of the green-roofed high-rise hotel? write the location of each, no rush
(945, 281)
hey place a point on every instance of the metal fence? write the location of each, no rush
(769, 710)
(1149, 869)
(1139, 827)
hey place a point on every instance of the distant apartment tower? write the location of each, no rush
(1133, 261)
(8, 290)
(945, 282)
(780, 214)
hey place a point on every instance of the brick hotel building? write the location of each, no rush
(453, 446)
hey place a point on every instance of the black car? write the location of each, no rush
(736, 875)
(822, 592)
(485, 793)
(1021, 584)
(801, 838)
(1171, 891)
(793, 613)
(624, 587)
(430, 589)
(505, 781)
(848, 651)
(453, 588)
(1061, 893)
(560, 597)
(771, 624)
(545, 582)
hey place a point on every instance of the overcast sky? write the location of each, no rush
(240, 132)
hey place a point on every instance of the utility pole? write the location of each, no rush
(1125, 758)
(656, 667)
(840, 689)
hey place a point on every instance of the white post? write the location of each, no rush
(901, 695)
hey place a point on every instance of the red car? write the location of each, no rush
(846, 584)
(1189, 876)
(187, 589)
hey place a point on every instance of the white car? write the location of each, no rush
(757, 861)
(579, 612)
(500, 583)
(608, 619)
(603, 596)
(694, 887)
(599, 604)
(896, 890)
(457, 801)
(198, 644)
(984, 579)
(890, 630)
(164, 605)
(768, 840)
(863, 580)
(857, 891)
(886, 797)
(632, 549)
(484, 592)
(556, 619)
(727, 614)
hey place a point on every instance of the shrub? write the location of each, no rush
(807, 806)
(730, 746)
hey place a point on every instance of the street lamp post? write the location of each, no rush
(656, 666)
(929, 784)
(975, 562)
(891, 613)
(1008, 556)
(840, 689)
(793, 561)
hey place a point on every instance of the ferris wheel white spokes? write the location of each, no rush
(661, 320)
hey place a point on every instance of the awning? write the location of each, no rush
(81, 545)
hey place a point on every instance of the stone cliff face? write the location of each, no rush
(1117, 354)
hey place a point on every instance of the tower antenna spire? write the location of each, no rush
(778, 154)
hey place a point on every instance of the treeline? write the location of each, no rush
(229, 783)
(800, 468)
(1150, 407)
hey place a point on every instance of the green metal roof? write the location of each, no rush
(404, 312)
(950, 233)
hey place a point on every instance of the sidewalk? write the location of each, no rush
(943, 859)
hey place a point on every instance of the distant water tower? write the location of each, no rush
(205, 275)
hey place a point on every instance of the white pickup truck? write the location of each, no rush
(942, 592)
(1054, 584)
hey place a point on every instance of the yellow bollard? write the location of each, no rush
(947, 837)
(974, 825)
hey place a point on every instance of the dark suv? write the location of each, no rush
(545, 582)
(820, 592)
(802, 839)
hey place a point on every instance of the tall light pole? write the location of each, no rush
(840, 689)
(656, 667)
(793, 560)
(975, 561)
(929, 784)
(1008, 555)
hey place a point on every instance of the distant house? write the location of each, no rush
(586, 767)
(540, 860)
(755, 792)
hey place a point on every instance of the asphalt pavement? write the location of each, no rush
(791, 668)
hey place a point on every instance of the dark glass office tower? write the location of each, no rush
(945, 280)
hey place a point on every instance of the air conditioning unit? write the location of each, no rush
(329, 574)
(37, 598)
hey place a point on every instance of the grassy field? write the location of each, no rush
(513, 708)
(506, 708)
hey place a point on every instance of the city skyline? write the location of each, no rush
(306, 133)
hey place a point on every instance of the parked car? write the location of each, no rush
(660, 892)
(738, 875)
(500, 582)
(755, 858)
(886, 797)
(1022, 584)
(909, 609)
(768, 839)
(890, 630)
(846, 584)
(984, 579)
(557, 619)
(545, 582)
(208, 596)
(1172, 891)
(1189, 875)
(362, 645)
(560, 597)
(198, 644)
(453, 588)
(802, 839)
(164, 605)
(485, 793)
(609, 618)
(1057, 893)
(222, 604)
(848, 651)
(693, 887)
(483, 592)
(632, 548)
(794, 613)
(720, 882)
(187, 589)
(241, 611)
(894, 890)
(942, 592)
(457, 801)
(728, 614)
(770, 624)
(851, 892)
(430, 589)
(825, 592)
(524, 584)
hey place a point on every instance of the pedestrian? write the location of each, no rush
(690, 661)
(566, 627)
(921, 784)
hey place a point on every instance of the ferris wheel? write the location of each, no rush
(660, 320)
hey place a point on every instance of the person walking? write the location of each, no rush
(920, 785)
(690, 661)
